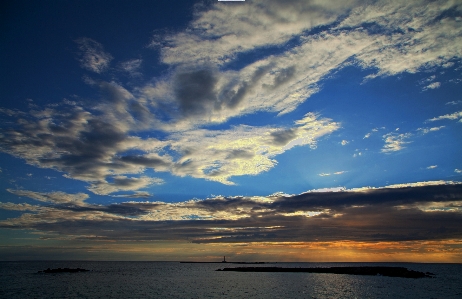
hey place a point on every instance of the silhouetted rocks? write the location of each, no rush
(63, 270)
(241, 263)
(383, 271)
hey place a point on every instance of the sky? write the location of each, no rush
(295, 130)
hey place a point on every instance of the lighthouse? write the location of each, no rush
(224, 259)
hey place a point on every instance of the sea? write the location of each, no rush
(200, 280)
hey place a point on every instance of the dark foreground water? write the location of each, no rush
(175, 280)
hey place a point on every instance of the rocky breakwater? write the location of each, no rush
(381, 271)
(63, 270)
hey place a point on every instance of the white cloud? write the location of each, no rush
(395, 142)
(453, 116)
(53, 197)
(427, 80)
(407, 185)
(432, 167)
(345, 142)
(218, 34)
(433, 85)
(428, 130)
(457, 170)
(335, 173)
(281, 82)
(123, 183)
(92, 56)
(244, 150)
(418, 43)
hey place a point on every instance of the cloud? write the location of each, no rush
(195, 91)
(53, 197)
(454, 103)
(428, 130)
(453, 116)
(244, 150)
(335, 173)
(433, 85)
(372, 132)
(92, 55)
(99, 149)
(457, 170)
(418, 211)
(132, 67)
(285, 80)
(82, 145)
(123, 183)
(405, 23)
(432, 167)
(345, 142)
(136, 194)
(220, 32)
(395, 142)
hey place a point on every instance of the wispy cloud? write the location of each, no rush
(53, 197)
(219, 33)
(92, 55)
(132, 67)
(452, 116)
(334, 173)
(395, 142)
(123, 183)
(432, 167)
(218, 155)
(428, 130)
(433, 85)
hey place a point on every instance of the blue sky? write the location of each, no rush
(119, 116)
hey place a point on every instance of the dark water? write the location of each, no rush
(175, 280)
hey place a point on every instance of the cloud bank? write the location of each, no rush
(406, 212)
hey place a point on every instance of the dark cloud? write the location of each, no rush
(144, 161)
(195, 91)
(284, 76)
(356, 224)
(240, 154)
(88, 146)
(375, 197)
(283, 137)
(388, 214)
(232, 97)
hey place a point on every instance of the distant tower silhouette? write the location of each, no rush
(224, 259)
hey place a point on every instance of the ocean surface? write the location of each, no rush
(178, 280)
